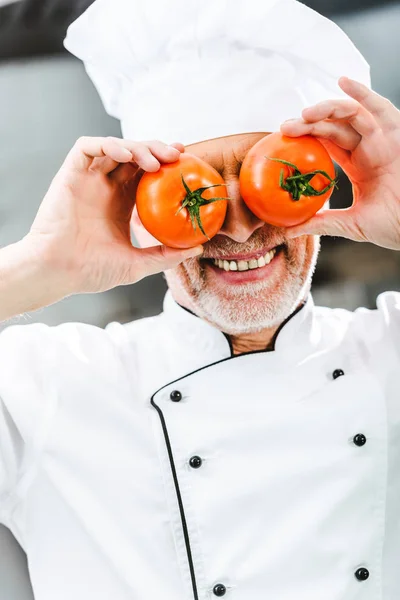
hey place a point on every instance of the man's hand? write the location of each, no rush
(362, 135)
(82, 229)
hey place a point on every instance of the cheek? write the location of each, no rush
(143, 237)
(187, 275)
(301, 251)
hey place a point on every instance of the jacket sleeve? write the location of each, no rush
(24, 403)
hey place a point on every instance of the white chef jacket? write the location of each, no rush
(144, 461)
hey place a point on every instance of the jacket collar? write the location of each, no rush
(297, 337)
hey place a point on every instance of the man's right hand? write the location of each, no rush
(82, 228)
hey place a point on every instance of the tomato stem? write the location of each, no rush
(299, 184)
(194, 200)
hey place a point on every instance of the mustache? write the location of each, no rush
(222, 245)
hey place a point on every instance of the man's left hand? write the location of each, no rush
(362, 134)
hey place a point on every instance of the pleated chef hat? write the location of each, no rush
(192, 70)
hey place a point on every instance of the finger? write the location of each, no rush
(87, 148)
(104, 165)
(339, 155)
(342, 134)
(178, 146)
(330, 109)
(124, 173)
(140, 154)
(385, 113)
(163, 152)
(332, 222)
(149, 155)
(149, 261)
(345, 110)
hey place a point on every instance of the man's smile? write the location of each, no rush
(245, 261)
(245, 265)
(252, 267)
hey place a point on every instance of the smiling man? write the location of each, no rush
(245, 442)
(270, 275)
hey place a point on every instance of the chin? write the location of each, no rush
(248, 304)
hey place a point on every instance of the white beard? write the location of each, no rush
(249, 309)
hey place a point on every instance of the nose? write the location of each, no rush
(240, 223)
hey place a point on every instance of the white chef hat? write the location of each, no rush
(192, 70)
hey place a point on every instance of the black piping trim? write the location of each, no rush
(168, 442)
(281, 326)
(172, 464)
(178, 493)
(228, 339)
(270, 348)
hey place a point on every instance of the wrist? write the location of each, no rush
(27, 281)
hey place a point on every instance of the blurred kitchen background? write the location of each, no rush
(47, 102)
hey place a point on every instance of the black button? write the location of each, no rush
(195, 462)
(337, 373)
(219, 589)
(362, 574)
(359, 439)
(175, 396)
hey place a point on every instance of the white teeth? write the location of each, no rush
(244, 265)
(269, 256)
(253, 264)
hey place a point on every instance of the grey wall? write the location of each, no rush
(47, 104)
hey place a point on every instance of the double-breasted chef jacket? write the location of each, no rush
(146, 462)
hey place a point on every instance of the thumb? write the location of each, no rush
(333, 222)
(341, 156)
(149, 261)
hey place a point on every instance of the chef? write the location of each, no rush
(245, 442)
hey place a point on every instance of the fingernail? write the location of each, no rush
(192, 252)
(287, 120)
(172, 148)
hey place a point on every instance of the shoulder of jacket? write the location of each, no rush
(371, 327)
(144, 331)
(37, 345)
(374, 331)
(387, 310)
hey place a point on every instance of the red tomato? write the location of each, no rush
(284, 195)
(180, 217)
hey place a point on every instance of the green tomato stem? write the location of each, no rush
(298, 184)
(194, 200)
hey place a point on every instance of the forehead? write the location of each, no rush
(225, 152)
